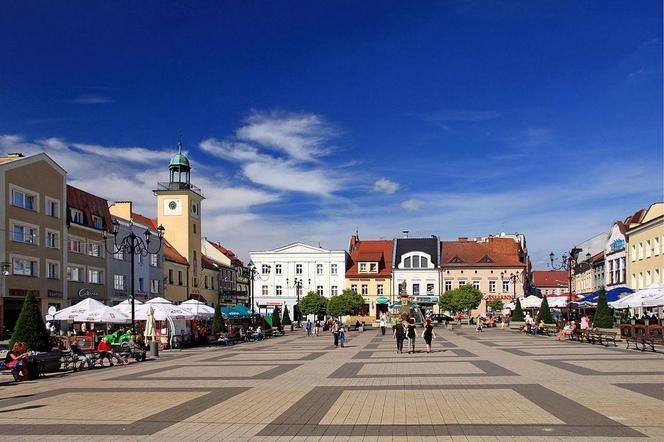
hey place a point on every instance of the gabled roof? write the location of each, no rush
(149, 222)
(379, 251)
(550, 278)
(227, 252)
(426, 245)
(297, 247)
(494, 252)
(170, 254)
(90, 205)
(209, 264)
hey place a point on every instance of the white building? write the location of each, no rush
(615, 257)
(416, 270)
(317, 269)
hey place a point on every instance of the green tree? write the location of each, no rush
(446, 302)
(517, 314)
(276, 320)
(30, 327)
(496, 305)
(603, 317)
(544, 313)
(337, 306)
(463, 299)
(218, 324)
(286, 317)
(313, 304)
(354, 300)
(297, 314)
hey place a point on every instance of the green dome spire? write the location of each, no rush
(179, 160)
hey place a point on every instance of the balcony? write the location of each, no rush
(178, 186)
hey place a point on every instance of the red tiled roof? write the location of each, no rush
(150, 222)
(228, 253)
(636, 218)
(90, 205)
(370, 251)
(550, 278)
(207, 263)
(598, 257)
(173, 255)
(495, 252)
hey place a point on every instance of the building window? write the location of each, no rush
(98, 222)
(194, 225)
(26, 234)
(76, 245)
(416, 289)
(373, 267)
(74, 273)
(430, 289)
(52, 240)
(212, 283)
(265, 269)
(76, 216)
(353, 287)
(23, 199)
(416, 262)
(448, 286)
(119, 282)
(407, 263)
(279, 291)
(334, 290)
(298, 269)
(655, 247)
(333, 269)
(205, 282)
(170, 276)
(424, 262)
(195, 282)
(319, 290)
(492, 286)
(277, 269)
(365, 289)
(379, 289)
(180, 277)
(94, 249)
(476, 284)
(119, 255)
(52, 208)
(506, 286)
(648, 249)
(96, 276)
(363, 267)
(53, 270)
(154, 260)
(25, 267)
(319, 269)
(154, 286)
(264, 290)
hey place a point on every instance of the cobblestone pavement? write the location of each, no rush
(496, 385)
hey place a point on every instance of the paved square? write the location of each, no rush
(495, 385)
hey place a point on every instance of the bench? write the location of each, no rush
(655, 335)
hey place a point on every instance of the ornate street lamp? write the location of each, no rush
(513, 278)
(254, 275)
(298, 289)
(135, 245)
(569, 263)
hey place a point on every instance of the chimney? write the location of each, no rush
(463, 238)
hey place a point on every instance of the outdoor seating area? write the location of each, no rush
(642, 336)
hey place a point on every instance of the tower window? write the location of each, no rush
(194, 227)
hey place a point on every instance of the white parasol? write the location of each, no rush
(150, 324)
(651, 296)
(125, 306)
(198, 308)
(163, 312)
(531, 301)
(557, 301)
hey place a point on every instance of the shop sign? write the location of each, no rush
(86, 293)
(242, 280)
(426, 299)
(55, 294)
(18, 292)
(382, 300)
(618, 244)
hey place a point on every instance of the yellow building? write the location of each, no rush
(33, 247)
(179, 211)
(176, 274)
(369, 273)
(645, 241)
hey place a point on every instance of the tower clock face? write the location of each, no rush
(172, 207)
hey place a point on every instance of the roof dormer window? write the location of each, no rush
(76, 216)
(363, 267)
(416, 260)
(373, 267)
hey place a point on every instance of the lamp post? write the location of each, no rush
(253, 276)
(513, 278)
(298, 288)
(136, 245)
(568, 263)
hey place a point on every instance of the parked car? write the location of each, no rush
(440, 318)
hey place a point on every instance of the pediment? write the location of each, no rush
(299, 247)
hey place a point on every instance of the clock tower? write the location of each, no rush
(179, 211)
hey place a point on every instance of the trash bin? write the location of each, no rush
(154, 348)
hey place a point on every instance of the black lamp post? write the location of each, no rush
(136, 246)
(298, 288)
(253, 276)
(568, 263)
(513, 278)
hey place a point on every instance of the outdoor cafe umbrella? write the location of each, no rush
(125, 306)
(651, 296)
(557, 301)
(531, 301)
(198, 308)
(85, 307)
(150, 324)
(106, 315)
(163, 312)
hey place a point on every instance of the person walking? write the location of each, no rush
(393, 322)
(316, 327)
(428, 334)
(335, 333)
(411, 336)
(399, 335)
(342, 335)
(382, 325)
(308, 327)
(479, 324)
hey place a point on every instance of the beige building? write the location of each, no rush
(369, 273)
(32, 246)
(179, 211)
(494, 265)
(176, 274)
(645, 241)
(88, 218)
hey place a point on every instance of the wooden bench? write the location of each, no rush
(655, 336)
(550, 330)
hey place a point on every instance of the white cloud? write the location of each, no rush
(133, 154)
(91, 99)
(232, 151)
(302, 137)
(412, 205)
(386, 186)
(283, 175)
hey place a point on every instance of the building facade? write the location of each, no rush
(176, 274)
(88, 218)
(494, 265)
(551, 282)
(583, 275)
(316, 268)
(369, 273)
(416, 271)
(33, 247)
(615, 257)
(645, 240)
(148, 270)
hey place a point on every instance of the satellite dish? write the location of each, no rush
(52, 310)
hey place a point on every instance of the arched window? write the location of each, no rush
(416, 260)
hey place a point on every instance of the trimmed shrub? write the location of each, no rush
(30, 327)
(517, 314)
(603, 317)
(544, 313)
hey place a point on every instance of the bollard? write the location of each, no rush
(154, 348)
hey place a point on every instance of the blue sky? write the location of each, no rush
(305, 120)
